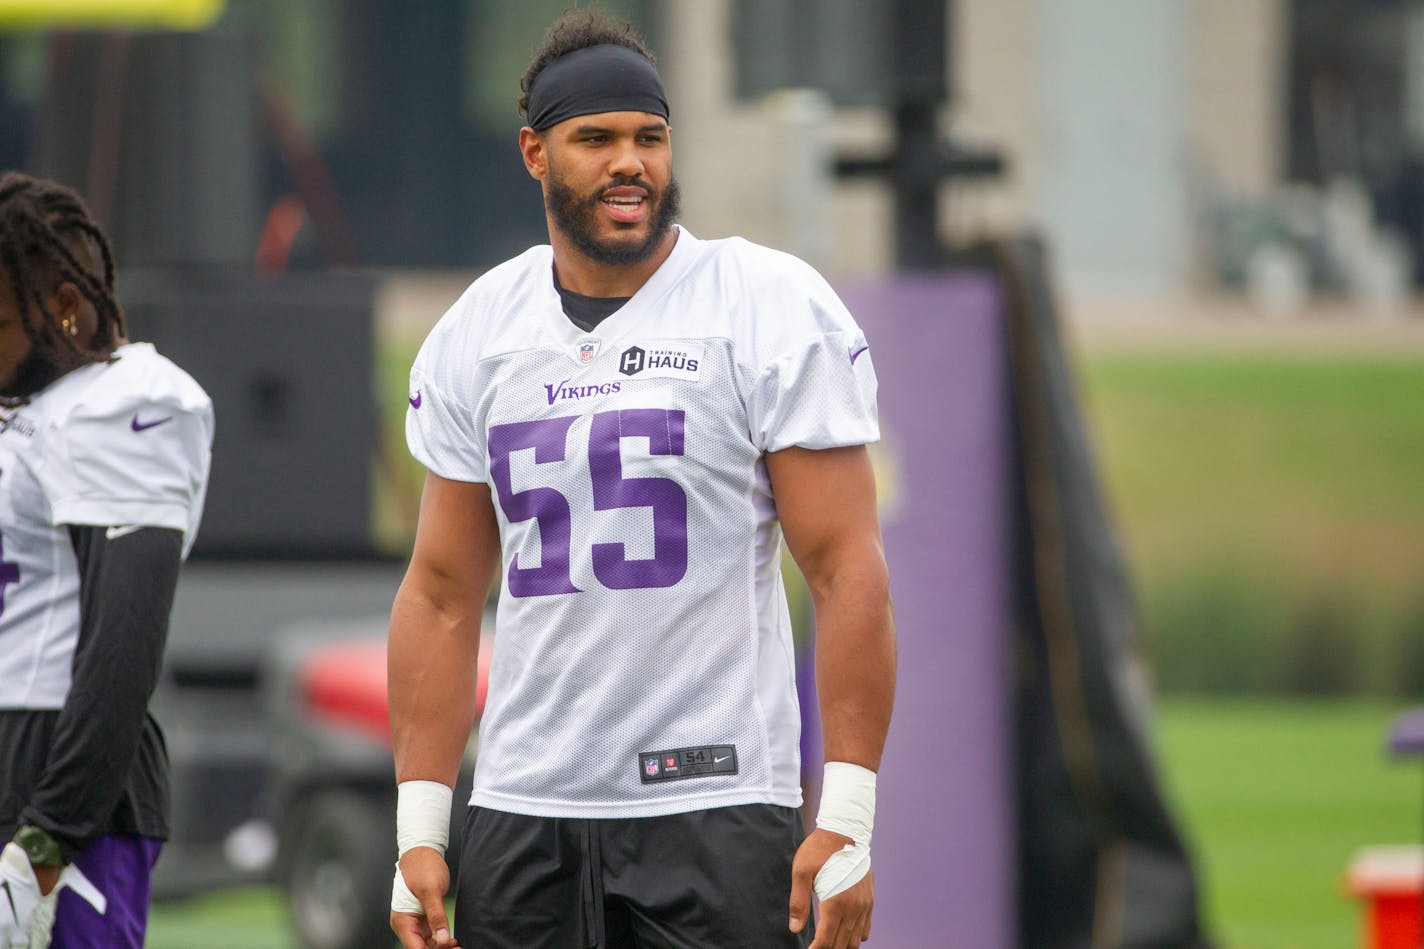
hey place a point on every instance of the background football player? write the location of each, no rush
(104, 458)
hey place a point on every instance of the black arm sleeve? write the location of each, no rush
(126, 593)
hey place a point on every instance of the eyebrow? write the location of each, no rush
(591, 129)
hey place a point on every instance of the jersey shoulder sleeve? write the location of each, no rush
(440, 425)
(132, 446)
(813, 383)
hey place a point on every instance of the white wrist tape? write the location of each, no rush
(847, 808)
(402, 899)
(422, 815)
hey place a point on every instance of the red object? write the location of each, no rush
(279, 233)
(1394, 921)
(345, 684)
(1390, 880)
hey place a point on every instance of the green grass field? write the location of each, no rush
(236, 919)
(1276, 797)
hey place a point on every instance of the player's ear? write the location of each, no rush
(77, 315)
(533, 147)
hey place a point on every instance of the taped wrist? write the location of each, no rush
(847, 808)
(422, 815)
(422, 820)
(402, 899)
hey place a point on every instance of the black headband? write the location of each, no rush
(604, 78)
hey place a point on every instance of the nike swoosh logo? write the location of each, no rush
(415, 401)
(721, 759)
(114, 533)
(138, 426)
(856, 355)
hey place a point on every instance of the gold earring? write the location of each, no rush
(70, 327)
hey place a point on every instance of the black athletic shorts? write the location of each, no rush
(713, 879)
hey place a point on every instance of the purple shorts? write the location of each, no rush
(120, 866)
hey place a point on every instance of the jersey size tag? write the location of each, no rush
(678, 763)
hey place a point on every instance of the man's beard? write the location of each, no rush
(576, 218)
(33, 374)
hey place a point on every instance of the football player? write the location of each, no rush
(104, 458)
(622, 425)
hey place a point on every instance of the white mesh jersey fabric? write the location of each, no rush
(127, 442)
(641, 606)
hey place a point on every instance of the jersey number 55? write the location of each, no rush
(549, 439)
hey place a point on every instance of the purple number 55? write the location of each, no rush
(663, 428)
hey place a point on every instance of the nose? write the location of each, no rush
(625, 160)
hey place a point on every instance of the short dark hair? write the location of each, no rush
(578, 28)
(48, 236)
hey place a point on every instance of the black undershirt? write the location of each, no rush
(587, 312)
(98, 766)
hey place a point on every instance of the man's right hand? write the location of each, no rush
(19, 895)
(428, 879)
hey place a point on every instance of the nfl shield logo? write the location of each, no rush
(650, 767)
(587, 349)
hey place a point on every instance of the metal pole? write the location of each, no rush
(918, 41)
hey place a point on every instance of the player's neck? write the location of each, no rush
(583, 275)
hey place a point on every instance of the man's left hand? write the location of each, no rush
(845, 917)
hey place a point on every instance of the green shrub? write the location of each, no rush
(1211, 632)
(1321, 651)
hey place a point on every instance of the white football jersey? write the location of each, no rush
(643, 659)
(122, 444)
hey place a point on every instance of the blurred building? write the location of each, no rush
(1161, 144)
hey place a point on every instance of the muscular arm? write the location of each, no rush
(435, 629)
(826, 503)
(434, 644)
